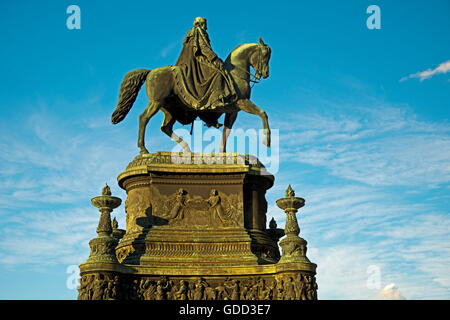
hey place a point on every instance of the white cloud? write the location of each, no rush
(390, 292)
(441, 69)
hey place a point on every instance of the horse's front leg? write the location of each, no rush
(230, 118)
(248, 106)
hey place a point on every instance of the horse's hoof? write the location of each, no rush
(143, 151)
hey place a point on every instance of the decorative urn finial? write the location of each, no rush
(105, 204)
(103, 246)
(293, 247)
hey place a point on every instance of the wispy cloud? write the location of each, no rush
(422, 75)
(350, 227)
(50, 171)
(376, 199)
(168, 49)
(341, 271)
(47, 237)
(345, 164)
(380, 146)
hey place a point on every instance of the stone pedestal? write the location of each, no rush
(196, 212)
(196, 229)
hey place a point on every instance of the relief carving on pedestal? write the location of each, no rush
(182, 209)
(137, 206)
(108, 287)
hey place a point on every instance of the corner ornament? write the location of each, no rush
(103, 246)
(293, 247)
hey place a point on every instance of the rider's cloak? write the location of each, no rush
(202, 85)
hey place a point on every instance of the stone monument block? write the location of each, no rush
(196, 230)
(208, 209)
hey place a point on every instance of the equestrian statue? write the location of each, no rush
(199, 85)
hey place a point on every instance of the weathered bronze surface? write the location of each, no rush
(199, 85)
(196, 229)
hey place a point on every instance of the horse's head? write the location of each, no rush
(260, 60)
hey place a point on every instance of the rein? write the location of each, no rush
(256, 79)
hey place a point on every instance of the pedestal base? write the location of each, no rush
(197, 230)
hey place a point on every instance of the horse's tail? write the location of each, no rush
(129, 89)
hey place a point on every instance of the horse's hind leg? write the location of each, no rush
(145, 116)
(167, 128)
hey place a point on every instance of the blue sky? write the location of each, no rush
(364, 136)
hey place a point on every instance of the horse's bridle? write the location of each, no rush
(256, 76)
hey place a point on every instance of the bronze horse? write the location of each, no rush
(162, 94)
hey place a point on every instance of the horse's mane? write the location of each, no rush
(240, 48)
